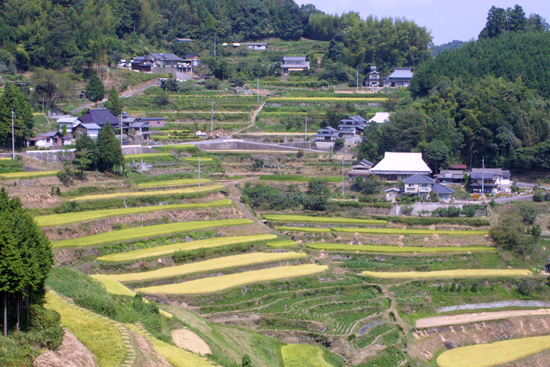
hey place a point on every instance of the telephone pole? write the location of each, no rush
(482, 176)
(121, 129)
(342, 178)
(257, 90)
(12, 135)
(212, 120)
(199, 174)
(305, 131)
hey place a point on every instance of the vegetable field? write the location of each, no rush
(146, 232)
(458, 273)
(216, 284)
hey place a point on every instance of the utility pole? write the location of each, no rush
(482, 176)
(212, 120)
(12, 135)
(199, 174)
(257, 90)
(342, 178)
(305, 131)
(121, 129)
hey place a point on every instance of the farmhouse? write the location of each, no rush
(256, 46)
(141, 63)
(361, 169)
(100, 116)
(398, 166)
(449, 176)
(294, 63)
(499, 177)
(89, 128)
(401, 77)
(70, 123)
(162, 60)
(328, 134)
(422, 186)
(373, 78)
(48, 139)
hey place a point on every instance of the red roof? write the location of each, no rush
(459, 166)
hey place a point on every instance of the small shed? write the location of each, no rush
(392, 194)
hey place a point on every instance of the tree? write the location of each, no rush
(85, 153)
(95, 91)
(338, 144)
(113, 103)
(496, 23)
(369, 185)
(108, 150)
(169, 85)
(436, 154)
(51, 86)
(246, 361)
(13, 99)
(318, 187)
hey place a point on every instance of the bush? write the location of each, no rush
(46, 331)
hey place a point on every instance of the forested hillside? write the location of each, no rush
(81, 33)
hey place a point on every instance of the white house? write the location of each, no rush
(398, 166)
(70, 123)
(401, 77)
(48, 139)
(294, 63)
(420, 185)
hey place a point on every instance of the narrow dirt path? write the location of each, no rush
(187, 339)
(253, 119)
(393, 308)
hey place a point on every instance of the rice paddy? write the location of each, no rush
(147, 232)
(146, 155)
(220, 283)
(327, 99)
(196, 159)
(397, 249)
(299, 355)
(487, 355)
(185, 246)
(33, 174)
(398, 231)
(207, 265)
(305, 229)
(168, 183)
(66, 218)
(183, 192)
(458, 273)
(312, 219)
(281, 243)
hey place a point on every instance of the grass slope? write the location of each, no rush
(66, 218)
(396, 249)
(207, 265)
(184, 246)
(299, 355)
(189, 190)
(99, 335)
(146, 232)
(487, 355)
(215, 284)
(457, 273)
(311, 219)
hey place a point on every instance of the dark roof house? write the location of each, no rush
(100, 116)
(401, 77)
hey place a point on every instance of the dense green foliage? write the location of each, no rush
(95, 91)
(113, 103)
(109, 153)
(13, 100)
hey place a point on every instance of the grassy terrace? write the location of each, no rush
(66, 218)
(298, 178)
(207, 265)
(189, 190)
(11, 175)
(185, 246)
(298, 355)
(396, 249)
(169, 183)
(398, 231)
(304, 229)
(216, 284)
(457, 273)
(146, 232)
(311, 219)
(498, 353)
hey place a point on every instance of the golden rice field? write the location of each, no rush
(66, 218)
(147, 232)
(312, 219)
(457, 273)
(196, 159)
(168, 183)
(116, 288)
(177, 357)
(304, 229)
(5, 158)
(28, 174)
(206, 265)
(399, 231)
(160, 251)
(327, 99)
(497, 353)
(117, 195)
(397, 249)
(300, 355)
(220, 283)
(146, 155)
(101, 336)
(281, 243)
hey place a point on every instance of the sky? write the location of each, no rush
(447, 20)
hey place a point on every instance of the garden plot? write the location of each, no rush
(487, 355)
(183, 192)
(169, 183)
(216, 284)
(166, 250)
(312, 219)
(397, 249)
(147, 232)
(234, 261)
(458, 273)
(66, 218)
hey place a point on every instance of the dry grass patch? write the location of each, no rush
(184, 246)
(458, 273)
(189, 190)
(220, 283)
(487, 355)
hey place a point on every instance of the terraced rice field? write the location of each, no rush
(117, 195)
(327, 99)
(312, 219)
(281, 243)
(398, 231)
(99, 335)
(147, 232)
(34, 174)
(397, 249)
(216, 284)
(185, 246)
(304, 229)
(300, 355)
(66, 218)
(487, 355)
(196, 159)
(169, 183)
(145, 155)
(207, 265)
(458, 273)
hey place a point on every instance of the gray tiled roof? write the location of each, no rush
(418, 179)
